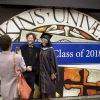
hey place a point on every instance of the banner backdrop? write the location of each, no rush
(73, 53)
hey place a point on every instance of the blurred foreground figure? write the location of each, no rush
(8, 77)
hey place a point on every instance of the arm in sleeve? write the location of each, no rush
(53, 61)
(22, 64)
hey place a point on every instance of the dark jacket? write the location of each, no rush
(33, 60)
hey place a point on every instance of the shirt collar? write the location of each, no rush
(30, 46)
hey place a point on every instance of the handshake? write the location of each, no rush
(29, 68)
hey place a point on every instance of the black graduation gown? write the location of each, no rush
(48, 65)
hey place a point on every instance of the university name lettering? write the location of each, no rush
(45, 17)
(42, 17)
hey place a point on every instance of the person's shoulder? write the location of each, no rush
(51, 48)
(18, 56)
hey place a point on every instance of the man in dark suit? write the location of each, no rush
(30, 54)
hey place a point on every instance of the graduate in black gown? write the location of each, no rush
(48, 67)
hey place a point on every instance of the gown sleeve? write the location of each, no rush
(53, 61)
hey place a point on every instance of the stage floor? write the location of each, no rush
(96, 97)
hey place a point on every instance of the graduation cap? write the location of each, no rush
(46, 36)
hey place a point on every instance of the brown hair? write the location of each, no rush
(34, 36)
(5, 42)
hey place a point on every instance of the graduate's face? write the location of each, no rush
(30, 39)
(44, 41)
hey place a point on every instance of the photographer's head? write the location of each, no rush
(5, 42)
